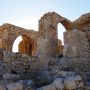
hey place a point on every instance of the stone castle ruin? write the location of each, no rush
(40, 50)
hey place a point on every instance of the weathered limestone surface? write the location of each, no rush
(60, 48)
(76, 44)
(82, 21)
(9, 33)
(26, 46)
(48, 30)
(83, 24)
(41, 50)
(77, 51)
(21, 63)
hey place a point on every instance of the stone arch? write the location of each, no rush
(48, 29)
(51, 20)
(11, 32)
(27, 45)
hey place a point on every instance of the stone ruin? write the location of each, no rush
(42, 50)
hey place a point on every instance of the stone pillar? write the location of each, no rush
(49, 31)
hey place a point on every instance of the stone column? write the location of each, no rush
(49, 31)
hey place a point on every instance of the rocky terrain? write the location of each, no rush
(19, 74)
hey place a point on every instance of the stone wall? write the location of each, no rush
(21, 63)
(48, 30)
(9, 33)
(86, 30)
(83, 24)
(77, 51)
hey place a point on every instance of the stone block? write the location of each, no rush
(58, 83)
(2, 88)
(48, 87)
(15, 86)
(69, 83)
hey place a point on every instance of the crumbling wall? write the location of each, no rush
(77, 51)
(76, 40)
(21, 63)
(83, 24)
(9, 33)
(77, 46)
(48, 30)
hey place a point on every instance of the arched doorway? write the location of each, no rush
(24, 45)
(60, 29)
(16, 43)
(48, 29)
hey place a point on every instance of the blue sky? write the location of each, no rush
(26, 13)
